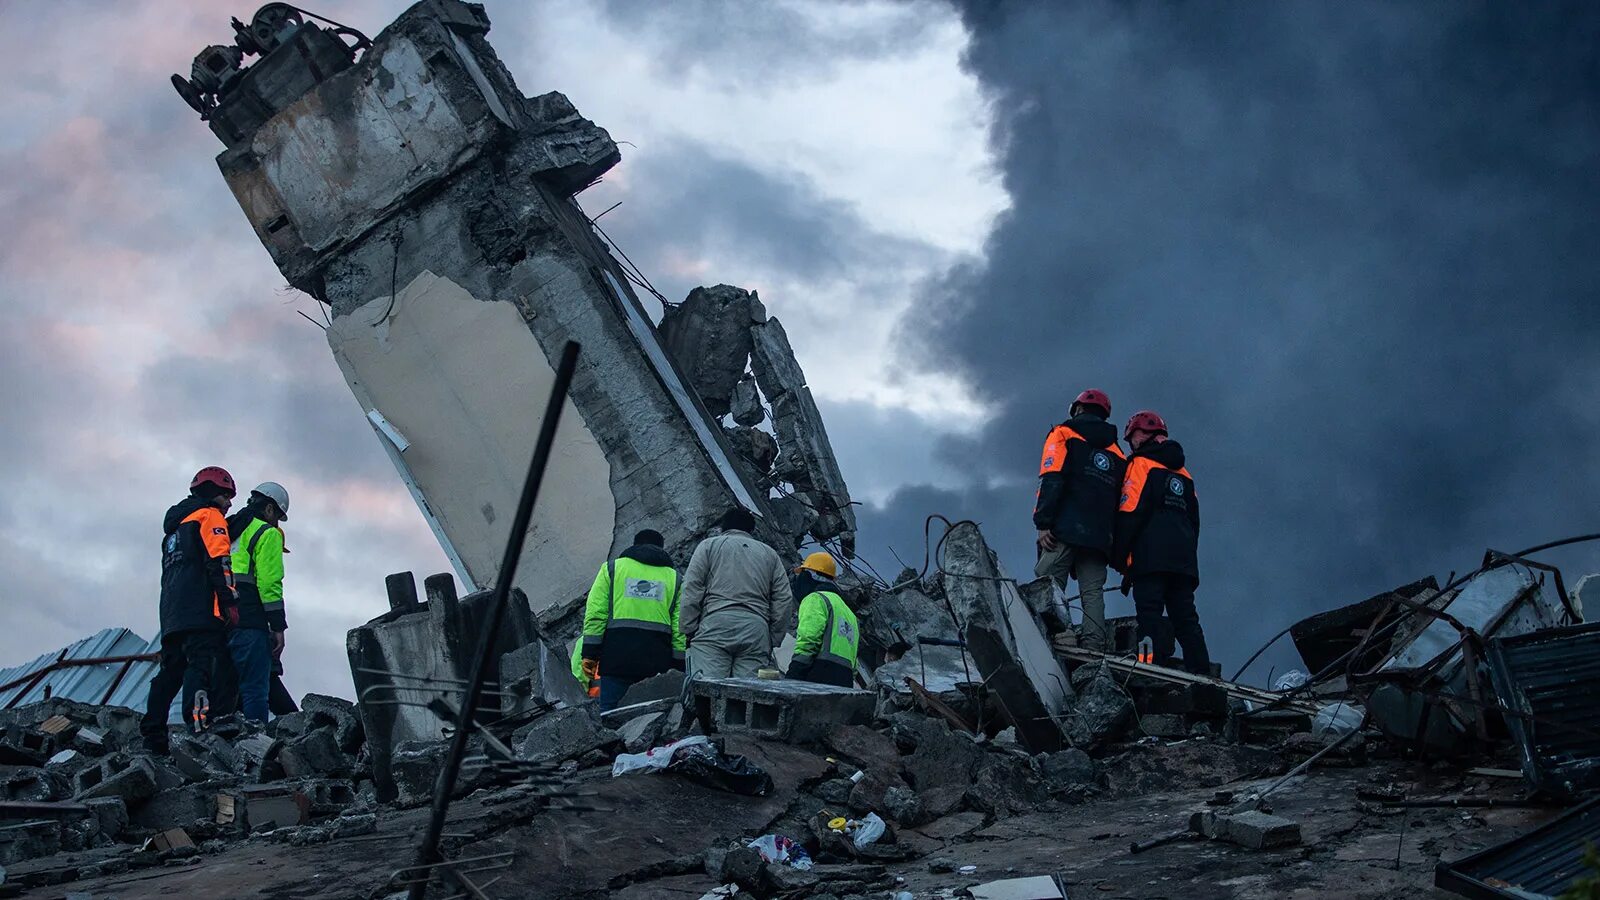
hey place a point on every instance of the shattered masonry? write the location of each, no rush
(429, 204)
(986, 757)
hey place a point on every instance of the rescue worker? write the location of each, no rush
(827, 636)
(630, 624)
(1080, 477)
(197, 603)
(257, 561)
(1158, 538)
(736, 606)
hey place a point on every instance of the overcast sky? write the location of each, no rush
(1350, 257)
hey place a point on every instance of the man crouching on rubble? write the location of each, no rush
(630, 623)
(1158, 538)
(197, 603)
(826, 639)
(736, 604)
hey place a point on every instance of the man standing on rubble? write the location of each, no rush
(197, 603)
(826, 639)
(630, 624)
(736, 601)
(1080, 475)
(258, 574)
(1158, 538)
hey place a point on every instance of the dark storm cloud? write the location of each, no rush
(1348, 250)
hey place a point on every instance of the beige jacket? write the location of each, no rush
(735, 571)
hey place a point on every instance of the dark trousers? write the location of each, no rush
(612, 688)
(189, 662)
(251, 649)
(1173, 594)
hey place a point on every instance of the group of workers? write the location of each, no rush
(1133, 512)
(724, 620)
(222, 619)
(1098, 508)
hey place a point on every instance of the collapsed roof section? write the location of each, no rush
(419, 194)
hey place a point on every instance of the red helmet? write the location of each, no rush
(1094, 398)
(1144, 420)
(214, 475)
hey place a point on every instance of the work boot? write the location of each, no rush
(157, 748)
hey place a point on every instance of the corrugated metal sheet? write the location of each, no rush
(1551, 676)
(1543, 862)
(114, 684)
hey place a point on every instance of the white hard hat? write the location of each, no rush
(274, 491)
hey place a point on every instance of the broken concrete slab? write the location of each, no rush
(339, 714)
(805, 455)
(314, 754)
(666, 686)
(708, 335)
(1068, 768)
(534, 676)
(1251, 829)
(786, 710)
(941, 767)
(563, 734)
(414, 766)
(1006, 783)
(745, 404)
(1101, 713)
(643, 732)
(1006, 640)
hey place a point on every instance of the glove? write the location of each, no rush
(591, 669)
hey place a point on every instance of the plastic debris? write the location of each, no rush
(704, 764)
(656, 758)
(775, 848)
(1337, 720)
(1290, 680)
(868, 831)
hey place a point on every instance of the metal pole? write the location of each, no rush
(428, 853)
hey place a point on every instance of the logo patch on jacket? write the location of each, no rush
(846, 632)
(1176, 486)
(1102, 462)
(644, 589)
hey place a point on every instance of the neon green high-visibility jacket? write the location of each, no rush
(826, 640)
(258, 575)
(630, 623)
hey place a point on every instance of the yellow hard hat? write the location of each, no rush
(822, 564)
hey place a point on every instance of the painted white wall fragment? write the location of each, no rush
(465, 382)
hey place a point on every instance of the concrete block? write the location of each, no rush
(111, 813)
(24, 746)
(1101, 712)
(338, 713)
(68, 763)
(29, 840)
(666, 686)
(1163, 725)
(199, 760)
(262, 808)
(1006, 783)
(1252, 829)
(28, 783)
(176, 808)
(533, 676)
(941, 766)
(133, 780)
(257, 757)
(563, 734)
(414, 766)
(119, 722)
(316, 753)
(792, 711)
(1072, 766)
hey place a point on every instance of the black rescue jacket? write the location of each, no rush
(196, 583)
(1080, 477)
(1158, 522)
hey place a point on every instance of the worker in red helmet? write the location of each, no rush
(198, 604)
(1158, 538)
(1080, 475)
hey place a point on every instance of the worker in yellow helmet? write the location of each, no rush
(828, 636)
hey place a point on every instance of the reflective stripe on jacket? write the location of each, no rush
(196, 581)
(1158, 521)
(258, 573)
(826, 640)
(630, 623)
(1080, 475)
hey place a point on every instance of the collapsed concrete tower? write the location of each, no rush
(408, 184)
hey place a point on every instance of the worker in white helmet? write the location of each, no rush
(258, 639)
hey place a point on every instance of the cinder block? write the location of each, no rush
(792, 711)
(132, 780)
(317, 753)
(1257, 830)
